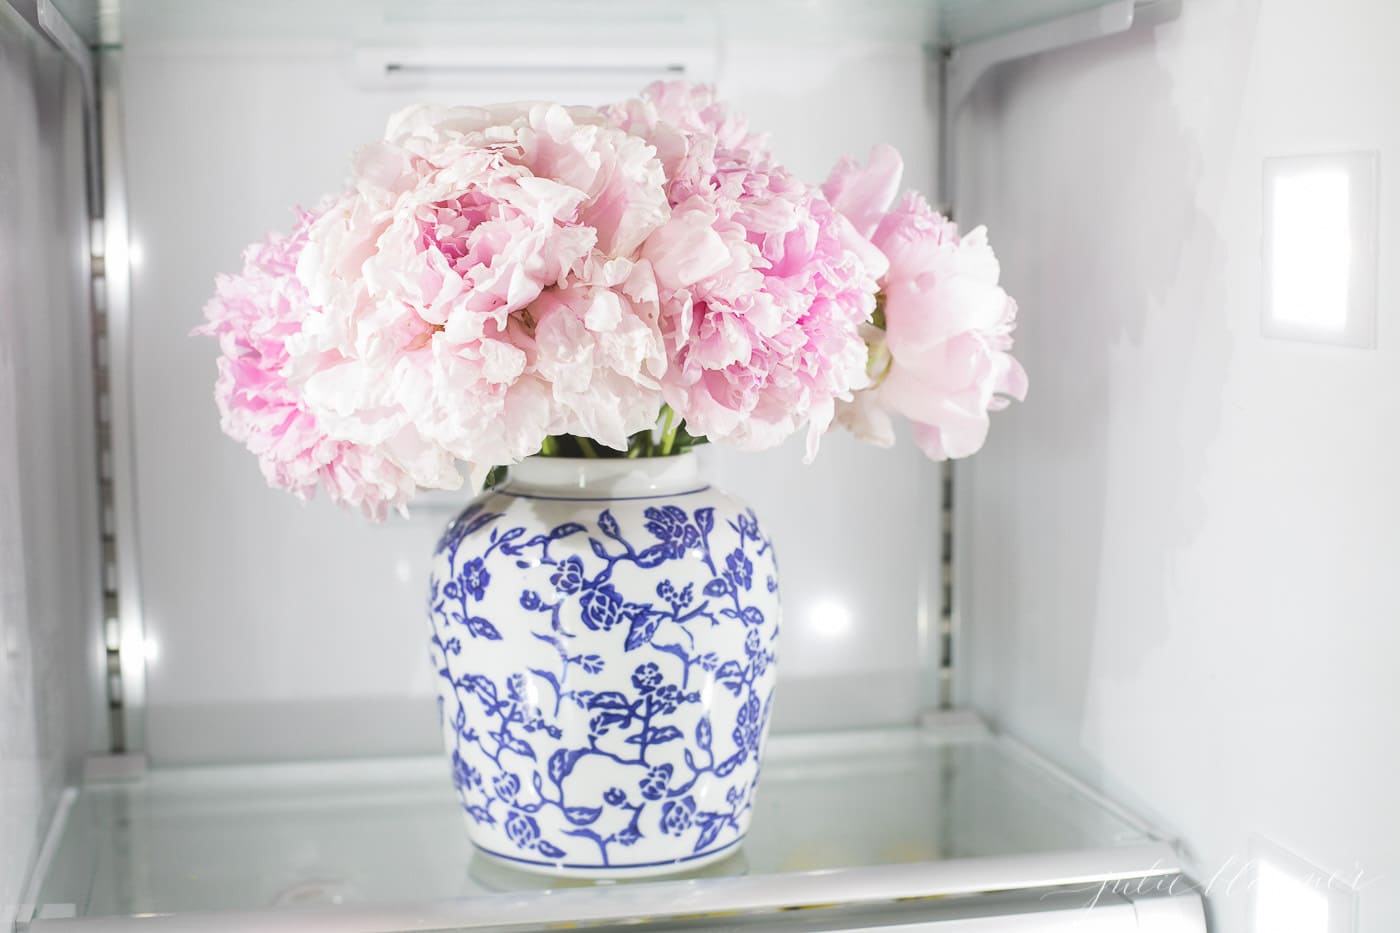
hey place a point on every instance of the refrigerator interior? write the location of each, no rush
(1168, 567)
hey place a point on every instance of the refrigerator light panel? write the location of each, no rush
(1320, 247)
(1287, 903)
(830, 620)
(1311, 248)
(1291, 895)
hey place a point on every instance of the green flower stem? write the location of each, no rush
(669, 427)
(673, 439)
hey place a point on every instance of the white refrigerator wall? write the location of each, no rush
(49, 654)
(281, 630)
(1179, 555)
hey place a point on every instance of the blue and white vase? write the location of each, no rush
(604, 634)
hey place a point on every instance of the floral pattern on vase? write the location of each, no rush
(605, 670)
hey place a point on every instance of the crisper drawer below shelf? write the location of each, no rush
(879, 828)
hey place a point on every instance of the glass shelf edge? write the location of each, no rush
(1092, 870)
(943, 23)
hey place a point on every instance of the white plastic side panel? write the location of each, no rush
(243, 587)
(1183, 546)
(47, 475)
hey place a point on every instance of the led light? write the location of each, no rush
(830, 620)
(135, 254)
(1320, 247)
(142, 648)
(1286, 903)
(1291, 895)
(1311, 249)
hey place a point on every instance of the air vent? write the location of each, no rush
(531, 69)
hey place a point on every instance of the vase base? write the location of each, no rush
(505, 873)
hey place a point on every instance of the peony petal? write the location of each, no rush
(867, 419)
(863, 193)
(686, 250)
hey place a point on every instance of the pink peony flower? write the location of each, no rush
(473, 240)
(942, 360)
(253, 314)
(494, 276)
(763, 286)
(690, 129)
(599, 346)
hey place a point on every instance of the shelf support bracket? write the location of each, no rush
(964, 66)
(66, 38)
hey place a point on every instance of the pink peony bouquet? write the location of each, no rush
(530, 279)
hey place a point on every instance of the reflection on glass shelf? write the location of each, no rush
(386, 832)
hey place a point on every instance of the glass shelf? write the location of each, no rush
(842, 818)
(945, 22)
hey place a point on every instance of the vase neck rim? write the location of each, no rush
(571, 478)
